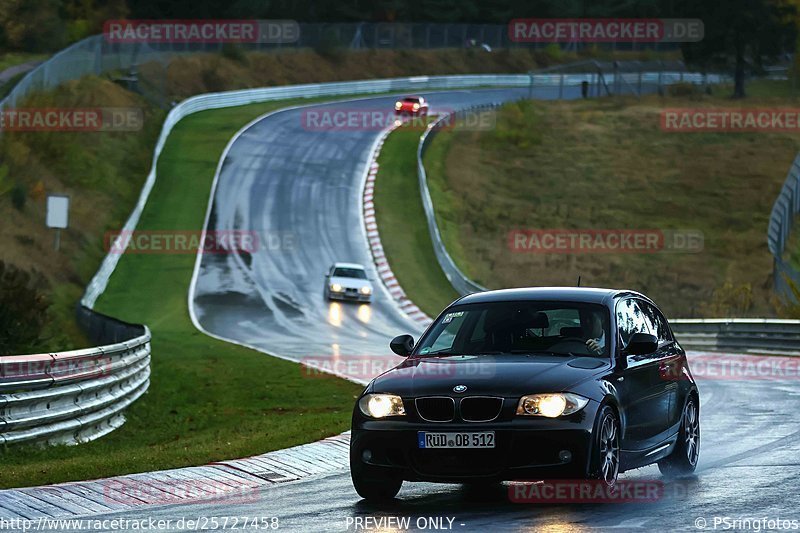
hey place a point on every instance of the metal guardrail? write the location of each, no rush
(739, 335)
(249, 96)
(96, 55)
(75, 396)
(461, 283)
(558, 78)
(764, 336)
(781, 220)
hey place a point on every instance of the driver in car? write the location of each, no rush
(595, 334)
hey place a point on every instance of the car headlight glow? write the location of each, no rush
(415, 107)
(551, 405)
(381, 405)
(335, 287)
(398, 105)
(366, 290)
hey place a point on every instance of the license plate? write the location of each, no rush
(429, 439)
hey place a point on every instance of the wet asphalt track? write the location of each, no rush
(299, 189)
(302, 189)
(285, 180)
(748, 468)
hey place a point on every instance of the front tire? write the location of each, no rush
(683, 459)
(604, 463)
(373, 484)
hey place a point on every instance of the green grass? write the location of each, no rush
(11, 59)
(792, 252)
(607, 164)
(446, 203)
(6, 87)
(403, 227)
(208, 400)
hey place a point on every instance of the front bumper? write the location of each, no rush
(349, 296)
(526, 448)
(410, 112)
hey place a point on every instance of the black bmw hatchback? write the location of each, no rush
(536, 383)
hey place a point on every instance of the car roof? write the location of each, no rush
(566, 294)
(349, 265)
(412, 98)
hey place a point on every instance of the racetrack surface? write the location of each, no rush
(748, 468)
(282, 179)
(299, 189)
(279, 177)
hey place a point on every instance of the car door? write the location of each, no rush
(643, 392)
(670, 358)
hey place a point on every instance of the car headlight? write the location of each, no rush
(335, 287)
(415, 107)
(551, 405)
(365, 290)
(381, 405)
(398, 105)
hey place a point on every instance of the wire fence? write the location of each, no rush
(97, 55)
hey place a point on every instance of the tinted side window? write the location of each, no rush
(630, 320)
(656, 322)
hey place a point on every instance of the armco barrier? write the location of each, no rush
(76, 396)
(80, 395)
(461, 283)
(784, 211)
(412, 84)
(739, 335)
(557, 78)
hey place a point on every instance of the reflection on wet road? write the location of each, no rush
(300, 190)
(748, 468)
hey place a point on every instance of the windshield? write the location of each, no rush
(341, 272)
(562, 328)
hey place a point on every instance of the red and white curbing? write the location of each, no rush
(378, 256)
(226, 483)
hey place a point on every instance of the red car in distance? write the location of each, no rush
(411, 105)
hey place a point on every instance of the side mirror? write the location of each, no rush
(402, 345)
(641, 344)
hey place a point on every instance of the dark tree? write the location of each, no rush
(740, 33)
(23, 310)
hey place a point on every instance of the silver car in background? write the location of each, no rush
(348, 281)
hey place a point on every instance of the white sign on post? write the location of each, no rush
(57, 211)
(57, 215)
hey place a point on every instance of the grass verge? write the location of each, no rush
(607, 164)
(208, 400)
(403, 227)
